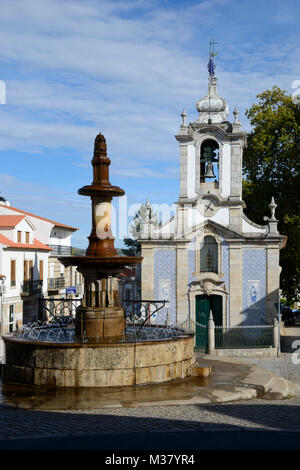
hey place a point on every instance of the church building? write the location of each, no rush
(209, 256)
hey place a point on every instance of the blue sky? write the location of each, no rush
(127, 69)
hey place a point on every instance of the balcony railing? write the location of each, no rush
(61, 250)
(28, 287)
(56, 283)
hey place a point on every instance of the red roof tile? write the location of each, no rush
(36, 245)
(57, 224)
(10, 221)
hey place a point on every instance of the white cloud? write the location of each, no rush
(127, 69)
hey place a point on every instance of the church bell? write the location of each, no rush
(209, 172)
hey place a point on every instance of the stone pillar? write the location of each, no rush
(236, 171)
(184, 219)
(211, 334)
(183, 170)
(147, 269)
(276, 333)
(181, 282)
(235, 219)
(272, 281)
(236, 283)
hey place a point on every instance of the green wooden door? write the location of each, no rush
(202, 315)
(216, 307)
(204, 304)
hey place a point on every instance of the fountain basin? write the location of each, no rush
(98, 365)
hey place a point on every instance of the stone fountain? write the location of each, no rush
(100, 351)
(100, 317)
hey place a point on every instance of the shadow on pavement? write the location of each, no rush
(218, 427)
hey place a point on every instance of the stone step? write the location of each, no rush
(294, 389)
(261, 379)
(201, 369)
(279, 389)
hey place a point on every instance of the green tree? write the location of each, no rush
(271, 168)
(132, 244)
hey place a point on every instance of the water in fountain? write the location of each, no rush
(57, 333)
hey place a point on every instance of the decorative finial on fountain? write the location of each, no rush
(100, 162)
(100, 147)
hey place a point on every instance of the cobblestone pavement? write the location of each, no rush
(253, 415)
(259, 415)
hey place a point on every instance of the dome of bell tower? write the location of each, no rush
(212, 107)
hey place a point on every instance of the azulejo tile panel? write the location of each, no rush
(254, 286)
(165, 284)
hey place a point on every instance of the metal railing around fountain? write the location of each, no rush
(56, 322)
(60, 311)
(56, 319)
(139, 314)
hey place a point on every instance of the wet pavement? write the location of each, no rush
(138, 418)
(225, 377)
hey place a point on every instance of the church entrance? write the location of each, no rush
(205, 303)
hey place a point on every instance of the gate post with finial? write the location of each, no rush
(211, 334)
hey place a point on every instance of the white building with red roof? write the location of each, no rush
(29, 266)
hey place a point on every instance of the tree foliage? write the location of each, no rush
(271, 168)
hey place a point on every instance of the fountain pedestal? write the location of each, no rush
(100, 325)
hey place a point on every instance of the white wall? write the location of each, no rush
(43, 228)
(249, 228)
(61, 237)
(23, 227)
(20, 256)
(222, 216)
(191, 170)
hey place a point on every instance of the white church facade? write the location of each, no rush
(210, 256)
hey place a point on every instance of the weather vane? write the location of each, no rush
(211, 66)
(211, 71)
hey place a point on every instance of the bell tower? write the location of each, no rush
(210, 257)
(211, 151)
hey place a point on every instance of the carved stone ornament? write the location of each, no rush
(210, 283)
(208, 229)
(207, 287)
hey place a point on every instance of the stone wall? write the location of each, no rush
(95, 365)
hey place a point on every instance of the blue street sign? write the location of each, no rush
(71, 290)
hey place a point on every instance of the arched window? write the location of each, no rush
(209, 255)
(209, 161)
